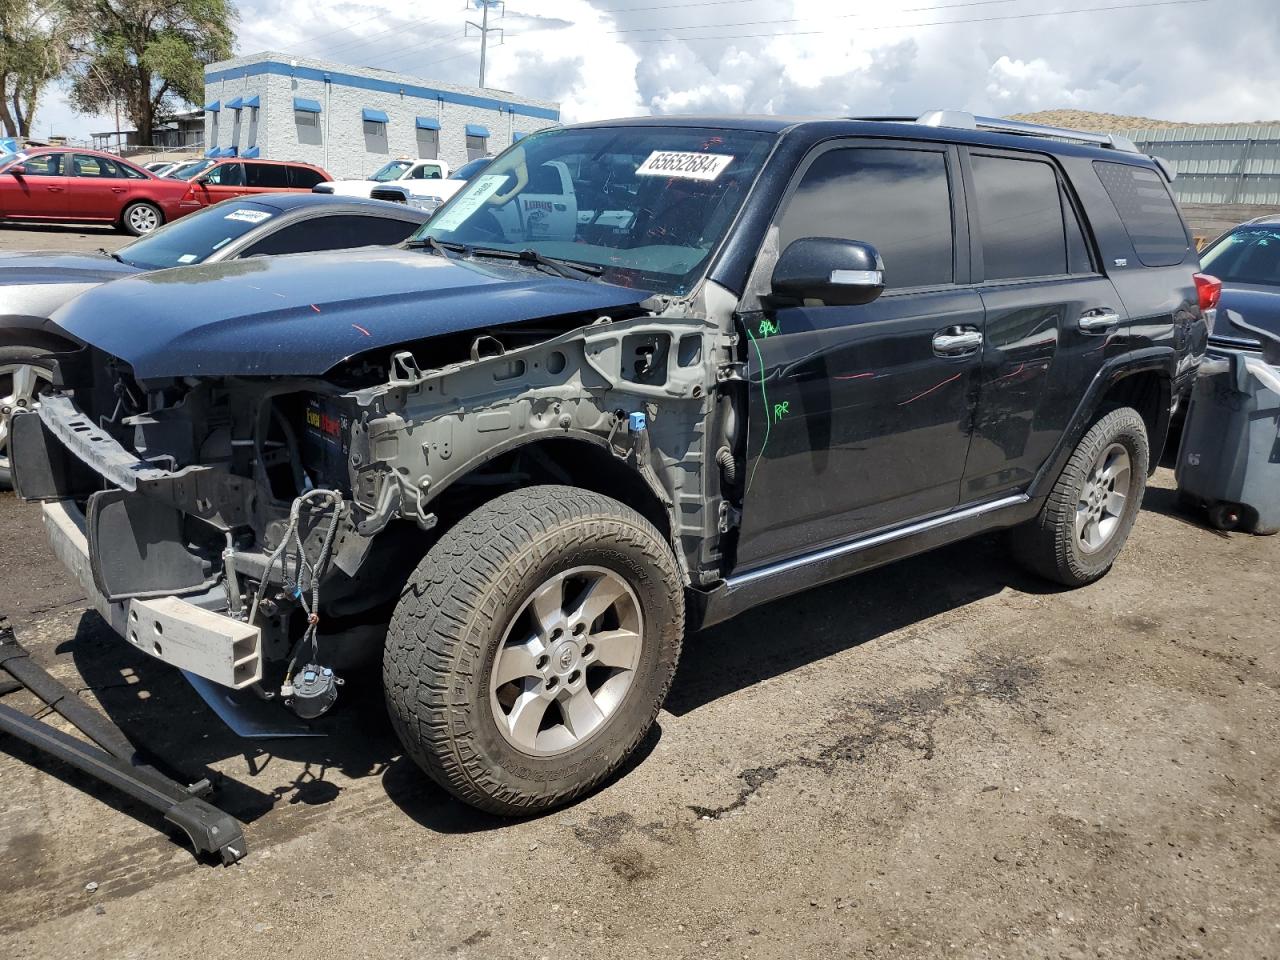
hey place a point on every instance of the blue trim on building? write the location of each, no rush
(252, 102)
(277, 69)
(235, 104)
(250, 153)
(303, 105)
(374, 116)
(213, 107)
(427, 123)
(476, 130)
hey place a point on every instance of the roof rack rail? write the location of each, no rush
(967, 121)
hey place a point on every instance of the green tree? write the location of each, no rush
(35, 48)
(147, 56)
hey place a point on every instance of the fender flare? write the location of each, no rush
(1159, 360)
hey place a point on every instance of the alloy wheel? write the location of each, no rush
(20, 385)
(566, 660)
(143, 219)
(1103, 499)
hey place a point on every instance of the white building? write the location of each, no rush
(351, 120)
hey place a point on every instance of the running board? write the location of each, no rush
(800, 573)
(111, 758)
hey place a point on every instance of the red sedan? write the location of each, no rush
(87, 186)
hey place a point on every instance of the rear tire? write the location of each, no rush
(1086, 519)
(508, 679)
(141, 218)
(23, 374)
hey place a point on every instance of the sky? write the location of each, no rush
(1195, 60)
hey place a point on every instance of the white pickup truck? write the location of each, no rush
(428, 193)
(425, 179)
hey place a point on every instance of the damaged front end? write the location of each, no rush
(256, 531)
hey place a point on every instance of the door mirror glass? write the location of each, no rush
(834, 272)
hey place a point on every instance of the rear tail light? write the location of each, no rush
(1209, 289)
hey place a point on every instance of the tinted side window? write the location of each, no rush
(1147, 211)
(1079, 259)
(304, 178)
(332, 233)
(42, 165)
(1019, 209)
(87, 165)
(899, 201)
(226, 175)
(266, 175)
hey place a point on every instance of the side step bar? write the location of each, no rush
(113, 761)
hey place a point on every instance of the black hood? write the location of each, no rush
(301, 315)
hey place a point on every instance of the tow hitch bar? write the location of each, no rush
(114, 760)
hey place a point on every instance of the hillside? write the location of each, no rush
(1101, 122)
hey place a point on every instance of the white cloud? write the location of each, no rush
(598, 58)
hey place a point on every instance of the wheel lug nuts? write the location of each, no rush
(542, 662)
(573, 677)
(551, 683)
(580, 629)
(588, 649)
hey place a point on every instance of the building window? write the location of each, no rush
(374, 128)
(305, 118)
(428, 144)
(476, 146)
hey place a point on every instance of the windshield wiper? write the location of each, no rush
(446, 250)
(570, 269)
(114, 256)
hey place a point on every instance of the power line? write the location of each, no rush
(933, 23)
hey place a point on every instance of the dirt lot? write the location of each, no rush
(941, 758)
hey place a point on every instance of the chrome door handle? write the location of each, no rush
(1099, 321)
(957, 341)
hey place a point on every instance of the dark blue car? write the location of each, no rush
(1247, 261)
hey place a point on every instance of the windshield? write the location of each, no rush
(188, 170)
(647, 205)
(391, 171)
(470, 168)
(197, 236)
(1247, 255)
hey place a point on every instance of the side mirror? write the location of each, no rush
(836, 272)
(18, 170)
(200, 178)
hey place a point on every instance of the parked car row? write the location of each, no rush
(89, 186)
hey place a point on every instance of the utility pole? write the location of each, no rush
(484, 29)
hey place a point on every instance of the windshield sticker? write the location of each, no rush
(684, 166)
(188, 258)
(485, 187)
(248, 216)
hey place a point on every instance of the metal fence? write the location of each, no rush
(1224, 163)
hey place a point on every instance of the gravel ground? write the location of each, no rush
(941, 758)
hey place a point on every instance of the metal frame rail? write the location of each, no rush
(113, 760)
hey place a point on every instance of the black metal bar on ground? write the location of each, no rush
(17, 662)
(210, 829)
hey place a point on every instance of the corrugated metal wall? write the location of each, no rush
(1224, 163)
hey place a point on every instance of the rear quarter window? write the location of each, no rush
(1147, 211)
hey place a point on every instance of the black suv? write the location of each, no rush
(635, 378)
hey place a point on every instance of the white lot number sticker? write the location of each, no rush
(187, 258)
(485, 187)
(684, 166)
(248, 216)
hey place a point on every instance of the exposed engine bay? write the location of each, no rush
(257, 531)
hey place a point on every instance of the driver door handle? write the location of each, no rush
(957, 341)
(1098, 321)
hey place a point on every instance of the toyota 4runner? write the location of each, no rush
(722, 361)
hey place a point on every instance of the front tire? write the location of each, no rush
(141, 218)
(532, 648)
(1086, 519)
